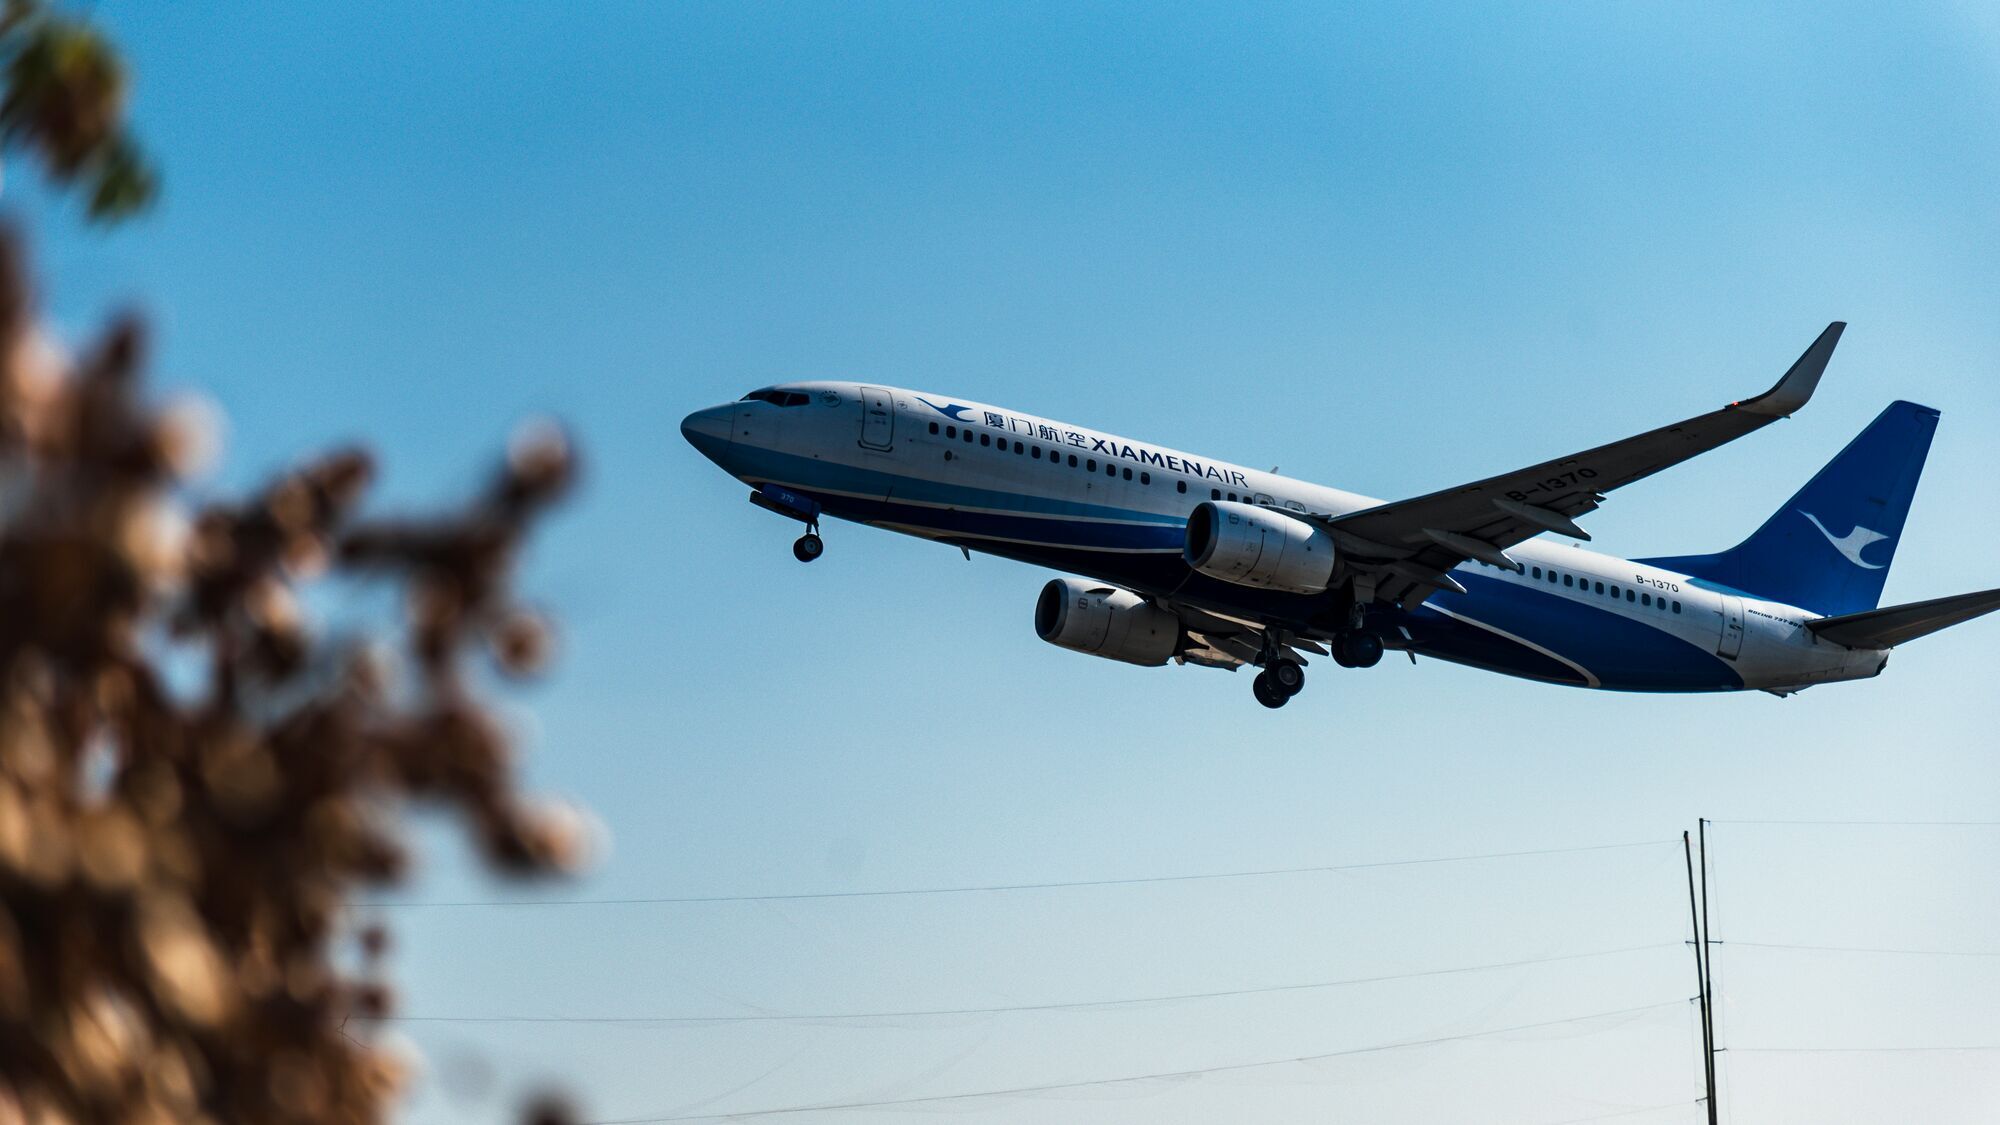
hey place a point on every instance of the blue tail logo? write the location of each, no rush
(1866, 488)
(1852, 544)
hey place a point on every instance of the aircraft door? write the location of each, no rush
(878, 419)
(1731, 642)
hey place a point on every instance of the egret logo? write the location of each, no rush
(1852, 544)
(951, 412)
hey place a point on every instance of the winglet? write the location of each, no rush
(1798, 385)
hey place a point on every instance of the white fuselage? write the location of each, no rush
(997, 480)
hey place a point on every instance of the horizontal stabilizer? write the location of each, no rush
(1892, 625)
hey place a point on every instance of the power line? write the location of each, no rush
(1867, 949)
(1198, 1072)
(689, 900)
(1876, 823)
(1633, 1112)
(1053, 1007)
(1858, 1050)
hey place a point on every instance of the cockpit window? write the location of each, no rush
(778, 398)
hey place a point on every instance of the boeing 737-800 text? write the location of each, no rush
(1192, 560)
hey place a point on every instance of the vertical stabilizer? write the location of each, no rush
(1829, 548)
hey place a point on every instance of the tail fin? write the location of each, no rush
(1829, 548)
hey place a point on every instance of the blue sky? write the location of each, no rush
(1384, 247)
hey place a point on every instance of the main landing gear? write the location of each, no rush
(1357, 649)
(1278, 683)
(1282, 678)
(808, 547)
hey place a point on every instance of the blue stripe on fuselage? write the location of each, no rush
(1624, 652)
(754, 464)
(978, 526)
(1442, 637)
(1141, 550)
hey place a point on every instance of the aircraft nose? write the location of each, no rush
(708, 430)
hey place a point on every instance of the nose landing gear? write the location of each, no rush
(796, 506)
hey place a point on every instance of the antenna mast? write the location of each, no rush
(1701, 973)
(1708, 965)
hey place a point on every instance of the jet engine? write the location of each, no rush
(1105, 621)
(1253, 546)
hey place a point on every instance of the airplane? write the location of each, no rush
(1191, 560)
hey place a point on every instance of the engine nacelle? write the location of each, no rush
(1106, 621)
(1253, 546)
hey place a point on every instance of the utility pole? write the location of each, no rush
(1708, 968)
(1701, 980)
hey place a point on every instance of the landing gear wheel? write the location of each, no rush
(1287, 675)
(1358, 650)
(808, 547)
(1267, 692)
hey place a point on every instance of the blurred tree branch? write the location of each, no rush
(64, 100)
(192, 781)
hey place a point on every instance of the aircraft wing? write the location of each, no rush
(1401, 551)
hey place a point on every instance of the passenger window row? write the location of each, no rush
(1055, 456)
(1591, 586)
